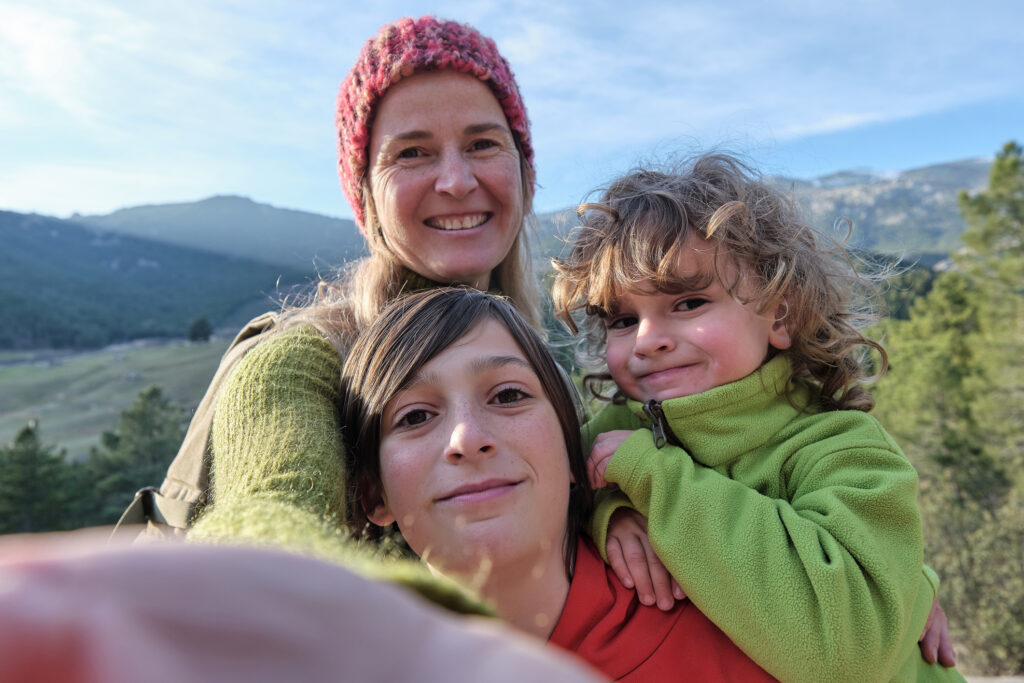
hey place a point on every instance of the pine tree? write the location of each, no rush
(33, 478)
(136, 455)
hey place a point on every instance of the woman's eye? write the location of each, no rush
(622, 322)
(479, 145)
(690, 304)
(409, 153)
(510, 395)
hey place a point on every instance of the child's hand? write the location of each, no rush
(934, 642)
(601, 452)
(635, 563)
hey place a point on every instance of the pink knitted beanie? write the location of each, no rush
(399, 50)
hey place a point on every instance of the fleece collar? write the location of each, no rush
(726, 422)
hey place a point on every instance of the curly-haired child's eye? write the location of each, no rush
(691, 304)
(621, 322)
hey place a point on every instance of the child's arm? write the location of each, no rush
(818, 586)
(632, 558)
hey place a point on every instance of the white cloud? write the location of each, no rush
(41, 57)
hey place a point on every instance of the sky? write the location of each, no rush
(113, 103)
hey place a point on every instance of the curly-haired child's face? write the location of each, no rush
(662, 346)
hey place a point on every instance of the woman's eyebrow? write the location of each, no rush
(477, 128)
(473, 129)
(406, 136)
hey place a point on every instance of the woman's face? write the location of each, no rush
(473, 461)
(445, 177)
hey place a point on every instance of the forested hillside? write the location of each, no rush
(954, 399)
(64, 285)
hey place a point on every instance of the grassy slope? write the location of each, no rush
(77, 397)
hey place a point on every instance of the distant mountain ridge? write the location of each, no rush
(238, 226)
(914, 211)
(910, 213)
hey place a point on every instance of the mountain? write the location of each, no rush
(67, 285)
(911, 212)
(241, 227)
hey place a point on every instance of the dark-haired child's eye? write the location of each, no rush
(510, 395)
(413, 418)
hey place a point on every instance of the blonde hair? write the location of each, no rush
(355, 297)
(632, 238)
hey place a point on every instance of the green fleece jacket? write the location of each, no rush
(796, 531)
(278, 464)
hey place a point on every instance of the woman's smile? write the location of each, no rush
(458, 222)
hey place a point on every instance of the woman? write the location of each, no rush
(436, 161)
(464, 432)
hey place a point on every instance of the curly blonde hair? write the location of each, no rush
(632, 238)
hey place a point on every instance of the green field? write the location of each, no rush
(76, 397)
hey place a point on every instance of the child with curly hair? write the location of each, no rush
(739, 428)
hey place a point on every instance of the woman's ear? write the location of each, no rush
(778, 335)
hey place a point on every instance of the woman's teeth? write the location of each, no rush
(461, 223)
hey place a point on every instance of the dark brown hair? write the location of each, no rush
(407, 335)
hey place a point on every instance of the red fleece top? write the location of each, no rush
(604, 623)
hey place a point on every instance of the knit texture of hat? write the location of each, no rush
(402, 49)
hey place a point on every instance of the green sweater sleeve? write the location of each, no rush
(277, 441)
(816, 585)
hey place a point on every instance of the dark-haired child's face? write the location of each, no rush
(473, 461)
(662, 346)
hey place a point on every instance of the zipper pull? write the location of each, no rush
(652, 409)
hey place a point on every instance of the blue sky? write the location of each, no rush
(113, 103)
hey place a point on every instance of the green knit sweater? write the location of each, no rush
(278, 463)
(796, 531)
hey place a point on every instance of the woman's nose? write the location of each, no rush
(652, 337)
(455, 176)
(470, 438)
